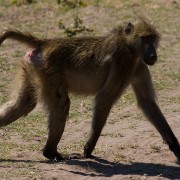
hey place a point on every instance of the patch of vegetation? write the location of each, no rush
(125, 146)
(112, 135)
(119, 158)
(71, 4)
(159, 85)
(76, 28)
(18, 54)
(3, 98)
(175, 99)
(21, 2)
(32, 123)
(174, 75)
(4, 65)
(155, 148)
(76, 147)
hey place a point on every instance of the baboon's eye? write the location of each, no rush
(148, 38)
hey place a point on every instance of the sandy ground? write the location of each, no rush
(129, 146)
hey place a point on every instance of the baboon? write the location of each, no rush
(102, 66)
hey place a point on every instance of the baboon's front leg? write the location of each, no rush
(143, 89)
(103, 103)
(104, 100)
(58, 111)
(101, 111)
(22, 105)
(154, 114)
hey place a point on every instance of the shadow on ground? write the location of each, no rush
(103, 168)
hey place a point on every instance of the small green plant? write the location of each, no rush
(21, 2)
(77, 27)
(71, 4)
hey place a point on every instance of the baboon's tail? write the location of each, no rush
(25, 38)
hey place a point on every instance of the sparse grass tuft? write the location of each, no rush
(75, 29)
(71, 4)
(21, 2)
(155, 148)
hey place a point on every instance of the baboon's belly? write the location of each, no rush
(81, 83)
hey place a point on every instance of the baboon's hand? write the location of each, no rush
(177, 153)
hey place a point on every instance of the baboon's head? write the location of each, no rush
(143, 39)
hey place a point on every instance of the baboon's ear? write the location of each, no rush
(128, 28)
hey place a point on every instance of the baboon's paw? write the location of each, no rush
(54, 157)
(177, 154)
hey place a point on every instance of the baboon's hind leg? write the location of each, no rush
(22, 105)
(58, 104)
